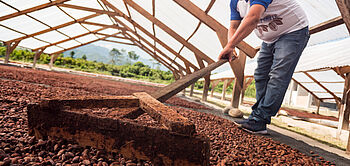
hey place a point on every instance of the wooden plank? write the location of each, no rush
(210, 6)
(104, 25)
(344, 8)
(112, 41)
(108, 35)
(56, 27)
(168, 91)
(318, 83)
(84, 102)
(215, 25)
(36, 8)
(135, 141)
(326, 25)
(168, 30)
(165, 115)
(89, 9)
(153, 27)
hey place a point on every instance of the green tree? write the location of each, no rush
(139, 64)
(72, 53)
(115, 54)
(84, 57)
(132, 55)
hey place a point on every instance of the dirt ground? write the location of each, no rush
(20, 87)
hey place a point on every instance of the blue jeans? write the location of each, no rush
(276, 65)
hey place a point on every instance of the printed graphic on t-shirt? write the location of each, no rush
(280, 17)
(275, 21)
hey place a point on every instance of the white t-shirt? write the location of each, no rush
(280, 17)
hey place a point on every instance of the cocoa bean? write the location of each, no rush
(75, 159)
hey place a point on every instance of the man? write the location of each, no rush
(283, 27)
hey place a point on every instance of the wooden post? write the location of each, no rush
(290, 92)
(223, 94)
(192, 88)
(318, 102)
(213, 85)
(206, 87)
(345, 108)
(245, 86)
(348, 146)
(52, 60)
(344, 8)
(36, 56)
(10, 46)
(239, 76)
(309, 100)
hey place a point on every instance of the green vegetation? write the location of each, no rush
(137, 70)
(250, 91)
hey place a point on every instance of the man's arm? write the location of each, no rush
(245, 27)
(233, 27)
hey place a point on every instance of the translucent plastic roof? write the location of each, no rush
(318, 61)
(175, 34)
(326, 55)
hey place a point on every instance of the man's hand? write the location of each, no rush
(241, 29)
(227, 53)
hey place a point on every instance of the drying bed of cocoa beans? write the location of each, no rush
(119, 113)
(19, 87)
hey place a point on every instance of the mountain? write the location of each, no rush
(101, 54)
(92, 52)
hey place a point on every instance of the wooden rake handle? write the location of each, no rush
(172, 89)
